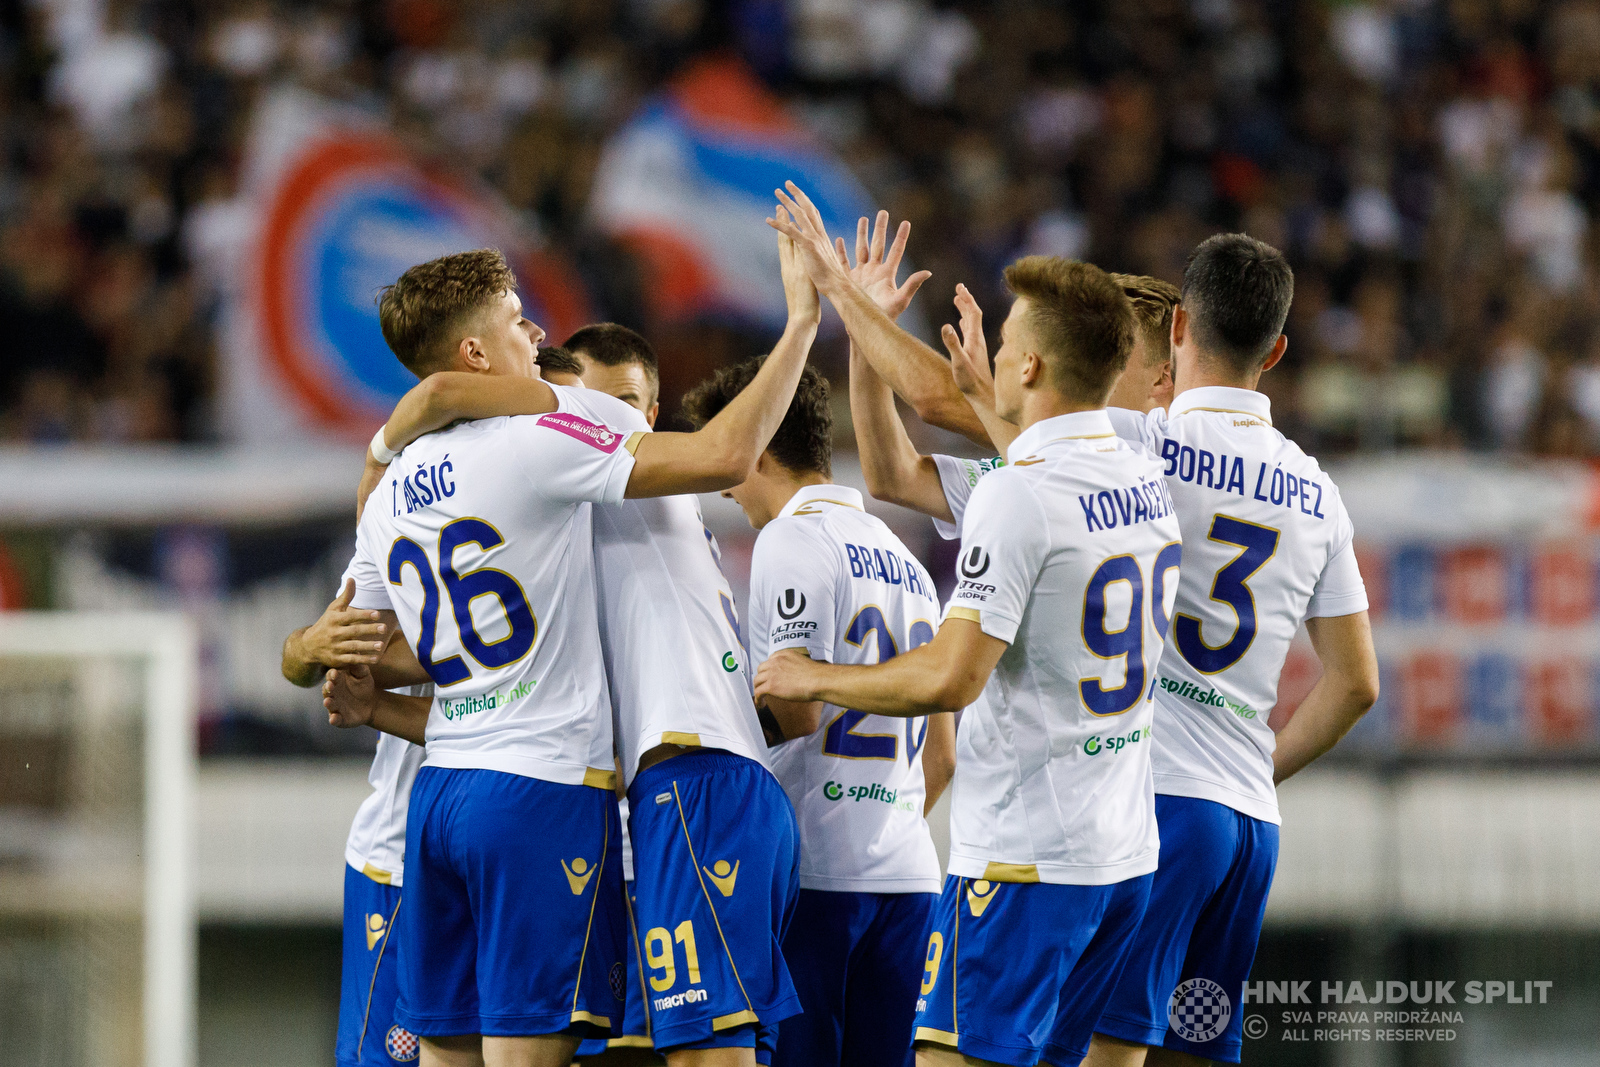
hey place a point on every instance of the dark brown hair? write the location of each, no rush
(432, 301)
(1081, 319)
(804, 441)
(1236, 292)
(614, 345)
(556, 358)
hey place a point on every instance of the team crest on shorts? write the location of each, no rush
(401, 1044)
(618, 979)
(1199, 1010)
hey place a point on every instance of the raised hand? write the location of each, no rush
(342, 637)
(799, 219)
(350, 696)
(805, 307)
(969, 353)
(875, 268)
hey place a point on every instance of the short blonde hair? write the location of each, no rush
(1153, 301)
(434, 299)
(1082, 320)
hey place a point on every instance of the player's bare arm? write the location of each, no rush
(794, 718)
(723, 453)
(444, 397)
(938, 758)
(912, 369)
(1347, 688)
(342, 637)
(944, 675)
(893, 469)
(353, 698)
(969, 368)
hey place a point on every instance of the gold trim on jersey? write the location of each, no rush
(591, 1017)
(801, 510)
(1227, 411)
(940, 1037)
(1011, 872)
(673, 737)
(633, 442)
(378, 874)
(738, 1018)
(596, 778)
(969, 614)
(630, 1041)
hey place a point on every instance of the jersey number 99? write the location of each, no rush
(1126, 642)
(463, 589)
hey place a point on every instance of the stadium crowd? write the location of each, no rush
(1429, 166)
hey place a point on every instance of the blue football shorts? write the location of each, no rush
(514, 923)
(1018, 973)
(716, 864)
(1186, 970)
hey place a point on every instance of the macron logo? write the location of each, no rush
(588, 432)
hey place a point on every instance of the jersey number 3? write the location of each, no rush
(841, 739)
(1257, 545)
(463, 589)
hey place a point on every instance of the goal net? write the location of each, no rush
(97, 906)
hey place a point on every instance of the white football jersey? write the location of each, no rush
(1266, 545)
(479, 537)
(1068, 554)
(958, 477)
(377, 843)
(670, 632)
(832, 580)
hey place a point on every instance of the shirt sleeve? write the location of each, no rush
(577, 453)
(793, 592)
(1144, 429)
(958, 477)
(1340, 589)
(1004, 543)
(372, 588)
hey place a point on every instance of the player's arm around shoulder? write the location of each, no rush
(446, 396)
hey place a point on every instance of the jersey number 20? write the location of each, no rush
(841, 739)
(463, 589)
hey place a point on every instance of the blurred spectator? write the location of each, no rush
(1430, 168)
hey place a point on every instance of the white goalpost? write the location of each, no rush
(97, 851)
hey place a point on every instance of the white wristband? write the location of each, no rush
(380, 449)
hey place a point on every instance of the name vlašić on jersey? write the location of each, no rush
(1110, 508)
(1227, 474)
(428, 484)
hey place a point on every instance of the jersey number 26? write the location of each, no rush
(463, 589)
